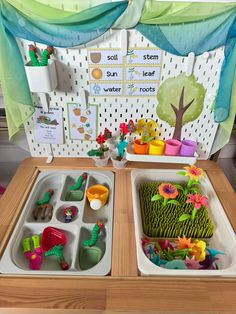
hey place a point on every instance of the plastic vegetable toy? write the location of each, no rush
(44, 58)
(34, 258)
(94, 235)
(57, 251)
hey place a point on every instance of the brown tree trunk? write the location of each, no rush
(178, 125)
(179, 115)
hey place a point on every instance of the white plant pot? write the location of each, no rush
(101, 162)
(118, 164)
(41, 79)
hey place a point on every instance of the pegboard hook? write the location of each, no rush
(44, 101)
(84, 95)
(190, 64)
(124, 42)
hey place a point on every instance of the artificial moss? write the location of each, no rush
(163, 221)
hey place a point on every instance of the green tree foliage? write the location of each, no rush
(180, 100)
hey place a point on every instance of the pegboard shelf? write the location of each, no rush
(131, 156)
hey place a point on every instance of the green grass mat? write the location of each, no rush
(163, 221)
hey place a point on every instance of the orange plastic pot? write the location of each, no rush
(140, 149)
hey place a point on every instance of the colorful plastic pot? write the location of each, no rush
(172, 147)
(97, 196)
(188, 148)
(156, 147)
(140, 149)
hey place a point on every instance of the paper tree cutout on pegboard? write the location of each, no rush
(180, 100)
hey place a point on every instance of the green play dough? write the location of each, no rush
(75, 195)
(89, 257)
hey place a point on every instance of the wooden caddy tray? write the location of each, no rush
(124, 289)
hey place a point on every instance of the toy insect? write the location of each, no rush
(70, 213)
(44, 58)
(43, 206)
(94, 235)
(79, 182)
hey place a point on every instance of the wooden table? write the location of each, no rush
(124, 289)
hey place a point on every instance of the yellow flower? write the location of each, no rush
(199, 250)
(148, 127)
(194, 172)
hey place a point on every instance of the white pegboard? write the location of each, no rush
(72, 70)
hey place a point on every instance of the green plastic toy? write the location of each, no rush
(44, 58)
(79, 182)
(46, 199)
(94, 235)
(57, 251)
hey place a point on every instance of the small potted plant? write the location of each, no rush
(148, 129)
(101, 154)
(118, 156)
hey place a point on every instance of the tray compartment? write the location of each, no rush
(90, 215)
(223, 238)
(49, 262)
(85, 234)
(60, 217)
(53, 182)
(73, 196)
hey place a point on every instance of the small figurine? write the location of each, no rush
(94, 235)
(70, 213)
(43, 205)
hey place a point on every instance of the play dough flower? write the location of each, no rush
(184, 243)
(168, 190)
(193, 172)
(101, 139)
(148, 128)
(198, 200)
(199, 250)
(167, 193)
(192, 263)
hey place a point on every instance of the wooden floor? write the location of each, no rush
(124, 290)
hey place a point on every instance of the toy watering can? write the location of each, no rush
(97, 196)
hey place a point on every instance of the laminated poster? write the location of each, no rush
(48, 126)
(82, 122)
(136, 74)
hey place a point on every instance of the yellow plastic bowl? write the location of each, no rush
(99, 192)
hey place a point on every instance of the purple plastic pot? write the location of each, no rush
(188, 148)
(172, 147)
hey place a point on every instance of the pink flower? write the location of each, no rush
(198, 200)
(124, 128)
(101, 139)
(192, 263)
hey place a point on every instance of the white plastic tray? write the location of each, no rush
(13, 260)
(131, 156)
(224, 238)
